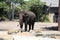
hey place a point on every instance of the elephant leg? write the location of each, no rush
(25, 26)
(29, 27)
(21, 26)
(33, 26)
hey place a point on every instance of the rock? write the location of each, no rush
(32, 38)
(24, 37)
(11, 31)
(37, 31)
(25, 34)
(6, 37)
(57, 37)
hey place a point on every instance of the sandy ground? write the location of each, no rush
(41, 28)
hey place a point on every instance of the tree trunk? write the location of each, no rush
(59, 17)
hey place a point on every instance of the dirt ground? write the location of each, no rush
(38, 25)
(43, 28)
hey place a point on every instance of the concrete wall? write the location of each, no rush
(51, 17)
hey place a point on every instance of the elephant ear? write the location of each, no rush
(26, 15)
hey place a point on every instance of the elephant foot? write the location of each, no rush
(21, 31)
(25, 30)
(30, 30)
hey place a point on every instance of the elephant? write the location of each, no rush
(28, 18)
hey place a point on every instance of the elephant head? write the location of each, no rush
(22, 14)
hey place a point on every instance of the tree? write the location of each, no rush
(37, 7)
(8, 2)
(59, 17)
(3, 9)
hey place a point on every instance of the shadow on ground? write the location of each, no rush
(51, 28)
(1, 39)
(3, 29)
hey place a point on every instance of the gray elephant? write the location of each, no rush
(28, 18)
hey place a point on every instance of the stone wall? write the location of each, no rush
(51, 17)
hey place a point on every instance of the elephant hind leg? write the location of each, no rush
(29, 27)
(33, 26)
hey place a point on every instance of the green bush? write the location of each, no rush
(46, 19)
(3, 11)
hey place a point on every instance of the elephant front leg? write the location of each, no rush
(21, 26)
(25, 26)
